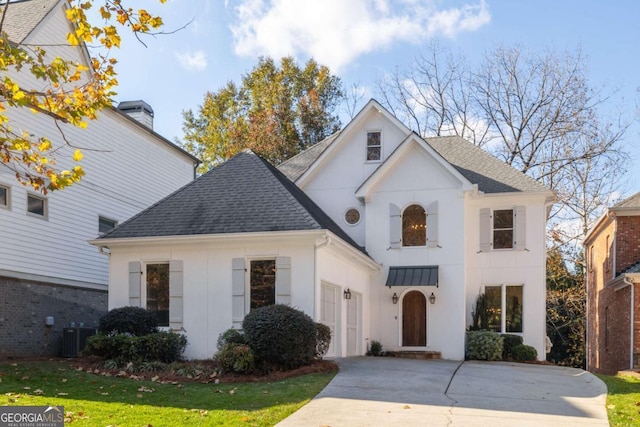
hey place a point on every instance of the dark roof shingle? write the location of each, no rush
(242, 195)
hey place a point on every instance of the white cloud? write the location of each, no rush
(335, 32)
(192, 61)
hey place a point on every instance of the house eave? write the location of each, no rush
(205, 238)
(348, 250)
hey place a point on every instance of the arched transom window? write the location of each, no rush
(414, 226)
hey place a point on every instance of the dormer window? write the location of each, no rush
(374, 146)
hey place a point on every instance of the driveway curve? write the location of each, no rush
(385, 391)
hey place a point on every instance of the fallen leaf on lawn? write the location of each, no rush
(80, 369)
(139, 395)
(611, 406)
(14, 364)
(38, 392)
(26, 388)
(64, 380)
(121, 374)
(637, 403)
(104, 394)
(180, 386)
(25, 378)
(217, 381)
(63, 394)
(156, 378)
(145, 389)
(265, 392)
(232, 392)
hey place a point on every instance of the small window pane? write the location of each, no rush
(493, 296)
(35, 205)
(263, 283)
(158, 292)
(503, 219)
(373, 146)
(352, 216)
(414, 226)
(514, 309)
(105, 225)
(4, 196)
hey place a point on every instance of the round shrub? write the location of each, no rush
(128, 320)
(280, 336)
(323, 340)
(230, 336)
(234, 357)
(524, 353)
(484, 345)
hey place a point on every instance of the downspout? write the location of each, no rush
(629, 282)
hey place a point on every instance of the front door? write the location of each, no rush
(414, 320)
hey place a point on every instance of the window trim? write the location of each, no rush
(503, 306)
(7, 188)
(366, 146)
(45, 206)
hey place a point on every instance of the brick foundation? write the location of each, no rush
(24, 306)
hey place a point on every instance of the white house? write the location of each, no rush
(47, 266)
(378, 233)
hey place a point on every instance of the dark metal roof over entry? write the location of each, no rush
(423, 275)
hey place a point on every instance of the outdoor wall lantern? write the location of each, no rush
(347, 294)
(432, 298)
(394, 298)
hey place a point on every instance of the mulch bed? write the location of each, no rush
(202, 371)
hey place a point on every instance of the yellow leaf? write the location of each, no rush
(77, 156)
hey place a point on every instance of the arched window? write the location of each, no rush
(414, 226)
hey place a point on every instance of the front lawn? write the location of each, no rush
(98, 400)
(623, 400)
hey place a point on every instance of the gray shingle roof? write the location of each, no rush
(23, 16)
(294, 167)
(630, 202)
(245, 194)
(491, 174)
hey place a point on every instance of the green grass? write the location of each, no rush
(623, 400)
(95, 400)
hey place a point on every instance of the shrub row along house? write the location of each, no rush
(612, 249)
(376, 232)
(47, 267)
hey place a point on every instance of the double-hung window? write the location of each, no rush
(157, 292)
(503, 228)
(374, 146)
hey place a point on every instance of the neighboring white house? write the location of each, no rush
(384, 236)
(47, 266)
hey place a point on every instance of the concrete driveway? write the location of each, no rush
(385, 391)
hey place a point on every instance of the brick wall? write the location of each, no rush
(24, 306)
(613, 330)
(627, 242)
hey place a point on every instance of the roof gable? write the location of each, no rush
(401, 151)
(242, 195)
(315, 160)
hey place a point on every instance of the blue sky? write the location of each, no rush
(363, 39)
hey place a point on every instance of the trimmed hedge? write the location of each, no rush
(163, 347)
(234, 357)
(280, 336)
(128, 320)
(524, 353)
(484, 345)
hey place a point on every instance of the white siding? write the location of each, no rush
(127, 169)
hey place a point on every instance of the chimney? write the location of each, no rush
(139, 111)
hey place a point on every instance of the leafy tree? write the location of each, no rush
(277, 111)
(64, 89)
